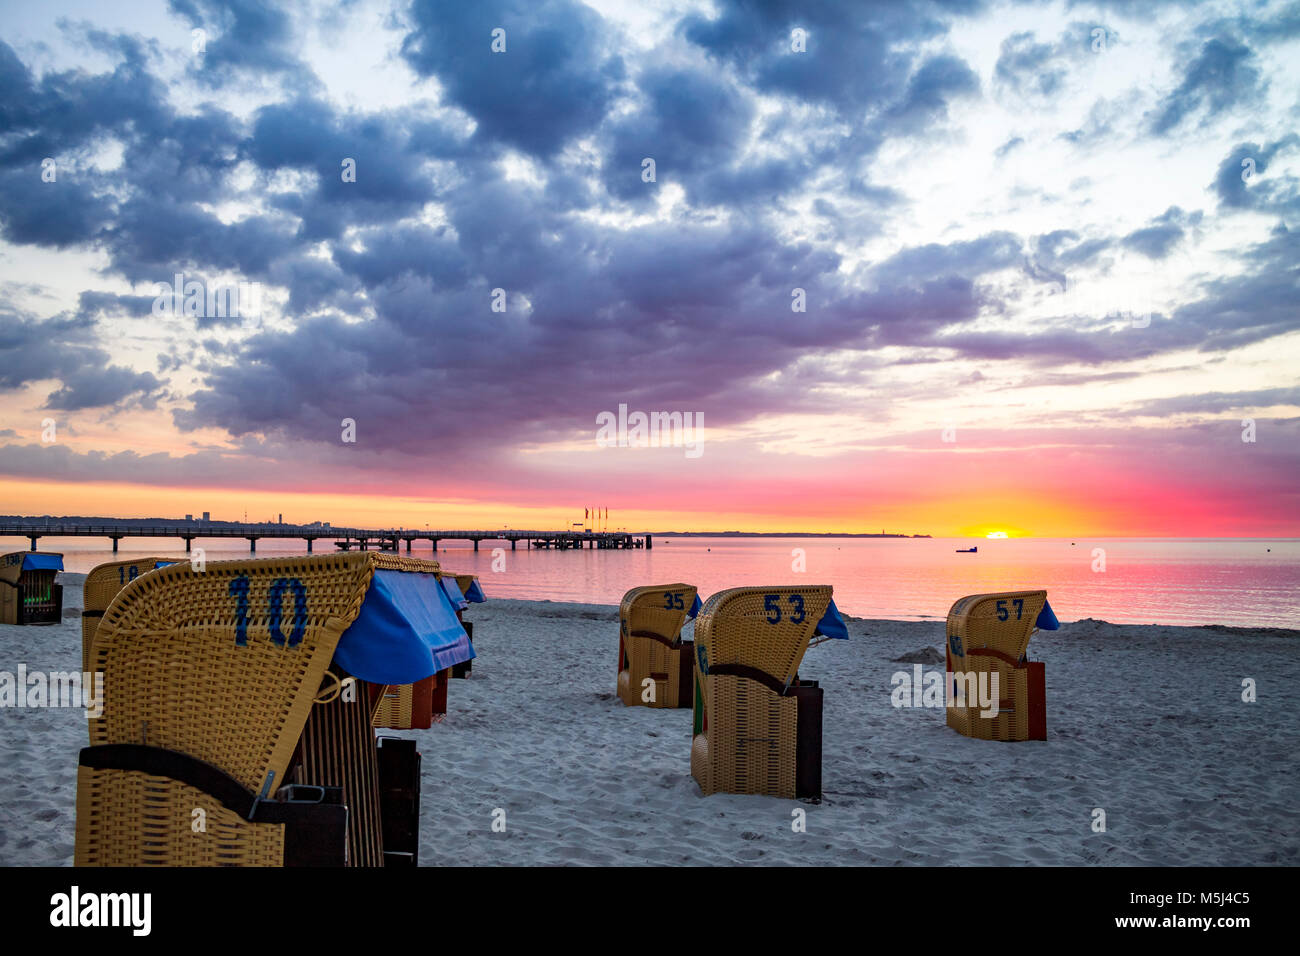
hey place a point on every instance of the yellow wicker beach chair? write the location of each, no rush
(757, 726)
(421, 705)
(29, 593)
(988, 635)
(414, 706)
(102, 585)
(654, 664)
(237, 707)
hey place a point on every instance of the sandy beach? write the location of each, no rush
(1145, 722)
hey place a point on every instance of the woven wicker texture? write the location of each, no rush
(660, 610)
(230, 665)
(101, 586)
(766, 628)
(126, 818)
(989, 634)
(1002, 622)
(394, 711)
(396, 706)
(177, 676)
(752, 739)
(338, 750)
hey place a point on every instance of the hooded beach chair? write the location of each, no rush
(654, 663)
(758, 728)
(463, 590)
(988, 634)
(419, 706)
(102, 585)
(236, 713)
(28, 591)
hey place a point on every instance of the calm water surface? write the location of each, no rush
(1168, 581)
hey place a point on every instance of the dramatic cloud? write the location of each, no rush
(861, 217)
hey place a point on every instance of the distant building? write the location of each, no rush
(206, 517)
(189, 517)
(279, 519)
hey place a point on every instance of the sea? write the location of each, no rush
(1249, 582)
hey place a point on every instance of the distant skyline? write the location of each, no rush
(1047, 254)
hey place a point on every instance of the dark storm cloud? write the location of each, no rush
(65, 213)
(692, 123)
(1222, 76)
(62, 349)
(1241, 181)
(1160, 238)
(387, 177)
(32, 350)
(93, 305)
(244, 36)
(858, 57)
(1032, 68)
(930, 91)
(389, 279)
(555, 80)
(97, 387)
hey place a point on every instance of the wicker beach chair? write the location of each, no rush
(655, 665)
(29, 593)
(420, 705)
(757, 727)
(237, 706)
(463, 590)
(102, 585)
(988, 634)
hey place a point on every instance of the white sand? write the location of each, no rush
(1145, 722)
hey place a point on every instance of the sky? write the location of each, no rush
(939, 268)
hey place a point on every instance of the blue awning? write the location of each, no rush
(1047, 619)
(406, 631)
(452, 589)
(475, 593)
(42, 562)
(832, 624)
(695, 608)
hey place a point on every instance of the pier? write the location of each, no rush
(345, 539)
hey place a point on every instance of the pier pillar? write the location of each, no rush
(513, 542)
(648, 544)
(408, 545)
(116, 539)
(188, 542)
(252, 545)
(33, 538)
(476, 544)
(309, 541)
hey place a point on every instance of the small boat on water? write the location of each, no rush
(974, 550)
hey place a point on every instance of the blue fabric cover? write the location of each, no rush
(453, 593)
(695, 608)
(1047, 619)
(475, 593)
(832, 624)
(406, 631)
(42, 562)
